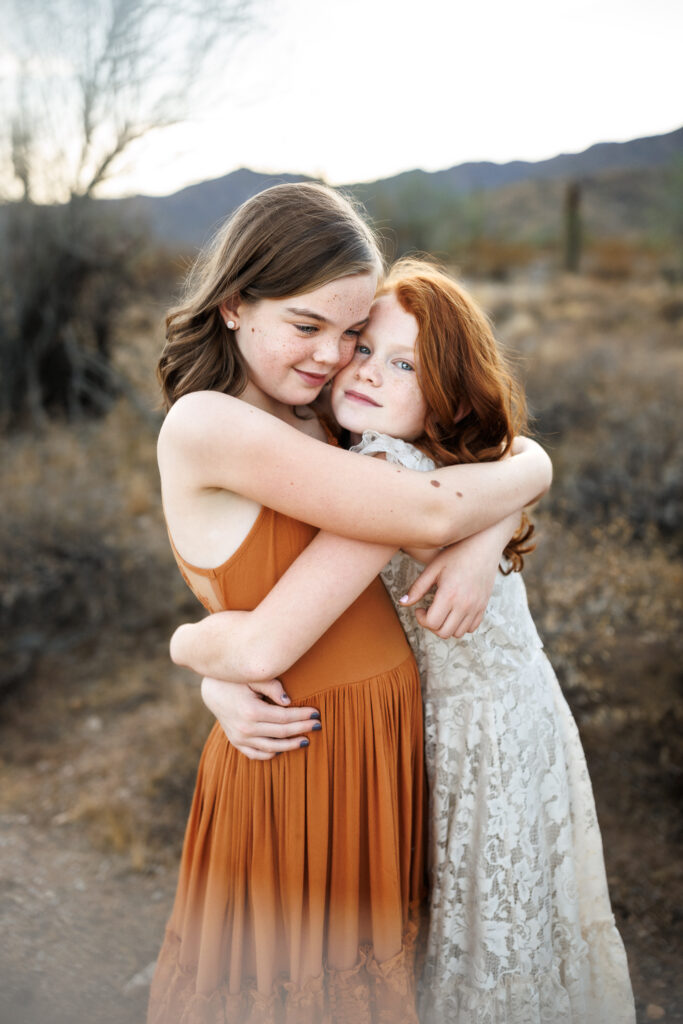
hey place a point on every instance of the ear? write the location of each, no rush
(229, 311)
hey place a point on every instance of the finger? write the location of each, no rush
(470, 623)
(421, 616)
(461, 629)
(434, 616)
(273, 690)
(280, 732)
(260, 712)
(451, 626)
(422, 585)
(266, 744)
(475, 622)
(252, 753)
(433, 625)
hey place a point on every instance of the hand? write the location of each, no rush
(256, 719)
(464, 575)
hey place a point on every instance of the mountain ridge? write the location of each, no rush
(187, 217)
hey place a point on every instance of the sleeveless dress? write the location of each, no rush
(521, 928)
(300, 879)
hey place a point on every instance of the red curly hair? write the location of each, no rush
(475, 404)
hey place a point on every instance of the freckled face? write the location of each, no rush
(378, 389)
(294, 345)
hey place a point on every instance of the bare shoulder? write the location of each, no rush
(202, 424)
(189, 418)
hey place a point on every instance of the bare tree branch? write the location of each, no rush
(98, 76)
(85, 80)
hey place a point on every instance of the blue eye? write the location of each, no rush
(306, 328)
(353, 332)
(403, 365)
(363, 349)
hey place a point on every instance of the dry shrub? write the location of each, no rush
(160, 270)
(82, 541)
(612, 258)
(495, 258)
(602, 367)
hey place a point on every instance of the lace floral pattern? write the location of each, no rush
(521, 928)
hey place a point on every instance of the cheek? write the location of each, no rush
(414, 406)
(346, 353)
(345, 371)
(269, 353)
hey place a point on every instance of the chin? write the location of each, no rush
(354, 425)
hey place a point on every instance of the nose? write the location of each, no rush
(369, 370)
(328, 350)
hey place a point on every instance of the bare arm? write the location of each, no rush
(464, 575)
(258, 645)
(214, 441)
(256, 717)
(225, 643)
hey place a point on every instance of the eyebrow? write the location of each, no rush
(318, 316)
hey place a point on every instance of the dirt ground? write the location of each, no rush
(100, 734)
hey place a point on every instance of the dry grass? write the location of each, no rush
(101, 734)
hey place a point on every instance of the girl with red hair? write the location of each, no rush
(520, 923)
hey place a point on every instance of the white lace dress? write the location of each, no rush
(521, 929)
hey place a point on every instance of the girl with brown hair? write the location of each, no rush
(301, 874)
(520, 925)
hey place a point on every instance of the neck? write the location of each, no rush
(301, 417)
(253, 395)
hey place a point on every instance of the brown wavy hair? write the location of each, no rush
(475, 404)
(284, 241)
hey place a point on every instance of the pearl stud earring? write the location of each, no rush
(230, 324)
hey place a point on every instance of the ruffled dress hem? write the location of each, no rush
(370, 991)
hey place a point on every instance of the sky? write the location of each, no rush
(354, 90)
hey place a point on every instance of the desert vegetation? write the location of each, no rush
(101, 734)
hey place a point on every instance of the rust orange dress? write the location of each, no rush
(301, 877)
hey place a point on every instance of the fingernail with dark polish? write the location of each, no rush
(317, 726)
(315, 714)
(304, 743)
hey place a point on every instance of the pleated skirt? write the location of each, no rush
(302, 878)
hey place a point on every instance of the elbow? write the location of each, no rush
(238, 656)
(546, 478)
(177, 646)
(440, 528)
(549, 474)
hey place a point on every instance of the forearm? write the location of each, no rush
(221, 645)
(500, 534)
(494, 495)
(261, 644)
(214, 442)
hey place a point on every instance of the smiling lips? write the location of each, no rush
(356, 396)
(314, 380)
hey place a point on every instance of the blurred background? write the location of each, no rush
(539, 152)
